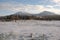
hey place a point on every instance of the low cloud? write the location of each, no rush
(56, 1)
(28, 8)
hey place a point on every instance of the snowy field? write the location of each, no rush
(50, 28)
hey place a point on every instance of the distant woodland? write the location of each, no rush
(18, 17)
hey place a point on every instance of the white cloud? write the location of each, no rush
(28, 8)
(57, 11)
(49, 6)
(56, 1)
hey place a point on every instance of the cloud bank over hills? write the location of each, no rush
(32, 6)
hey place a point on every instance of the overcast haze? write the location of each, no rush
(31, 6)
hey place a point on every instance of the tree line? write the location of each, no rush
(15, 17)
